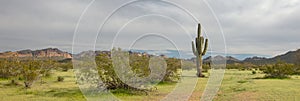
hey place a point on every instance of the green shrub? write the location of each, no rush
(279, 70)
(188, 65)
(31, 70)
(253, 72)
(60, 78)
(139, 66)
(66, 66)
(28, 70)
(297, 70)
(242, 81)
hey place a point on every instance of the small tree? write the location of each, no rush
(30, 71)
(139, 66)
(10, 68)
(279, 70)
(14, 70)
(46, 66)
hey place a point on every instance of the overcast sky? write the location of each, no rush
(265, 27)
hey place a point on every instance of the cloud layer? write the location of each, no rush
(267, 27)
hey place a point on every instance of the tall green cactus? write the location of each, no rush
(200, 50)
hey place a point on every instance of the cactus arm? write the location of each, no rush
(202, 41)
(193, 48)
(205, 47)
(199, 30)
(197, 42)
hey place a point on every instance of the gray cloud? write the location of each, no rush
(259, 27)
(267, 27)
(38, 24)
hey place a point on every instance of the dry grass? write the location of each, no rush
(236, 86)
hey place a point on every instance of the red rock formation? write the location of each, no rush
(49, 52)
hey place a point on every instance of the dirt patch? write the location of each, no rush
(195, 96)
(246, 96)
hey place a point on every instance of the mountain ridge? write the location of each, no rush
(289, 57)
(41, 53)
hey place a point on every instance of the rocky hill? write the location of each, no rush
(289, 57)
(221, 59)
(43, 53)
(256, 60)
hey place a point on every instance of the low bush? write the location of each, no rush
(139, 67)
(60, 78)
(253, 72)
(279, 70)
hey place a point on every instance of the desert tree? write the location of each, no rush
(30, 71)
(46, 66)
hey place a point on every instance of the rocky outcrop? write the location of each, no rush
(289, 57)
(221, 59)
(49, 52)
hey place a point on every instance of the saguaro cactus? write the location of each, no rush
(199, 50)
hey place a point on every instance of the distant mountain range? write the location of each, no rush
(289, 57)
(188, 54)
(48, 52)
(228, 59)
